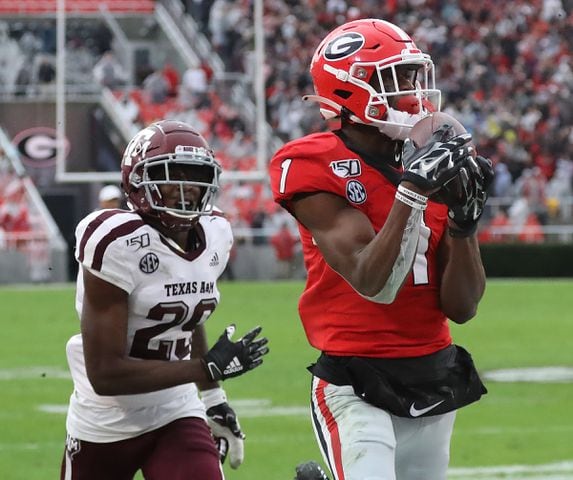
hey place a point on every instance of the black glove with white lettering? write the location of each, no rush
(227, 433)
(228, 359)
(432, 165)
(224, 426)
(467, 196)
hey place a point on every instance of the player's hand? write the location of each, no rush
(228, 359)
(227, 433)
(467, 195)
(432, 165)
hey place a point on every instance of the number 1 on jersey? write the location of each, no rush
(420, 268)
(285, 165)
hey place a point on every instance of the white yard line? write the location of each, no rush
(23, 373)
(549, 471)
(514, 430)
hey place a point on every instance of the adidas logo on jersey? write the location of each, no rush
(233, 367)
(214, 260)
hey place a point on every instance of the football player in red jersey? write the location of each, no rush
(145, 383)
(387, 265)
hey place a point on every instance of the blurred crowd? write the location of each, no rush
(505, 70)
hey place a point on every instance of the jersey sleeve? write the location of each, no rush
(100, 246)
(218, 229)
(303, 166)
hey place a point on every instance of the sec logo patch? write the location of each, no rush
(149, 263)
(355, 192)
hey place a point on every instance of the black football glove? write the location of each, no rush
(228, 359)
(466, 195)
(227, 433)
(432, 165)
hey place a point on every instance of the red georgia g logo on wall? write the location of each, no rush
(37, 146)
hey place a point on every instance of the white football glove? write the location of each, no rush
(225, 426)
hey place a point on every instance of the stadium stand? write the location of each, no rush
(505, 69)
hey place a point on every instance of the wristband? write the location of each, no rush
(213, 396)
(408, 201)
(410, 193)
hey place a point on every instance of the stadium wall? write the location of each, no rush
(527, 260)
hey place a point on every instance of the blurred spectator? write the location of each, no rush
(491, 233)
(502, 182)
(109, 72)
(559, 189)
(531, 187)
(171, 75)
(10, 57)
(284, 244)
(258, 223)
(110, 196)
(14, 212)
(156, 87)
(199, 10)
(130, 109)
(518, 213)
(193, 88)
(46, 69)
(531, 231)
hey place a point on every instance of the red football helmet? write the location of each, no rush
(359, 66)
(152, 158)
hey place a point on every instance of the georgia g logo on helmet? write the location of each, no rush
(344, 46)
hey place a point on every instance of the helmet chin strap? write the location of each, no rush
(398, 124)
(327, 114)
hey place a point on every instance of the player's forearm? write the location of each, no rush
(127, 376)
(463, 279)
(384, 264)
(199, 347)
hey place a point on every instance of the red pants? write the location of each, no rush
(182, 450)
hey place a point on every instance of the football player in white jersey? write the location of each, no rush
(145, 382)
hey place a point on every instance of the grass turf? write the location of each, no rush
(519, 324)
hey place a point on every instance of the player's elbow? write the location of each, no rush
(102, 385)
(385, 296)
(461, 314)
(103, 381)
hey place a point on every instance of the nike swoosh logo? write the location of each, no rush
(426, 167)
(414, 412)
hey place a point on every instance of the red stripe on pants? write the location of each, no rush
(332, 429)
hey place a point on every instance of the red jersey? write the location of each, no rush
(337, 320)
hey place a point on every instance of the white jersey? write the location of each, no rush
(170, 292)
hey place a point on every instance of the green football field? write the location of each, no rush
(523, 429)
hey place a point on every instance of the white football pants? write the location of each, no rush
(362, 442)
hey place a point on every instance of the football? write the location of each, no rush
(422, 132)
